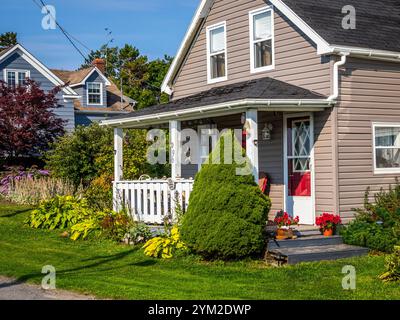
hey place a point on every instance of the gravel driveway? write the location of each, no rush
(12, 290)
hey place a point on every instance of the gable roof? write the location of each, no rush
(321, 21)
(377, 22)
(27, 56)
(264, 92)
(78, 77)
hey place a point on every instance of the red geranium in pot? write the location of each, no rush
(327, 223)
(285, 223)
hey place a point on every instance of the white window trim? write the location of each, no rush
(253, 69)
(210, 80)
(5, 71)
(383, 125)
(101, 94)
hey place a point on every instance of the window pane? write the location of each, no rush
(21, 78)
(388, 158)
(94, 87)
(94, 98)
(387, 137)
(218, 66)
(262, 26)
(263, 53)
(217, 40)
(11, 78)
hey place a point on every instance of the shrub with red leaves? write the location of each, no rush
(328, 221)
(284, 220)
(28, 124)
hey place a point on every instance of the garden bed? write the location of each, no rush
(109, 270)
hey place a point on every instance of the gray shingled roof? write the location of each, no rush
(264, 88)
(377, 22)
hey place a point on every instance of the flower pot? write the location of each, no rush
(328, 232)
(283, 234)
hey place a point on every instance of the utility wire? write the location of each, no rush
(66, 34)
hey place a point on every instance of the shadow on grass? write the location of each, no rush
(99, 261)
(15, 213)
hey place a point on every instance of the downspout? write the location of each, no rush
(336, 66)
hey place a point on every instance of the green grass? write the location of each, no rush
(109, 270)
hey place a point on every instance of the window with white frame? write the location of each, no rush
(15, 78)
(387, 147)
(217, 57)
(94, 93)
(261, 40)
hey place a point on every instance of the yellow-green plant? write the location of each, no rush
(164, 246)
(392, 266)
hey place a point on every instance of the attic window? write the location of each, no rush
(15, 78)
(216, 52)
(262, 40)
(94, 93)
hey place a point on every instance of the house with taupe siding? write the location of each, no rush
(318, 101)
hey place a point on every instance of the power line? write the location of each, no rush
(66, 34)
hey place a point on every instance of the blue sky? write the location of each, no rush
(156, 27)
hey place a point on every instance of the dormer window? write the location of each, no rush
(216, 53)
(15, 78)
(262, 40)
(94, 93)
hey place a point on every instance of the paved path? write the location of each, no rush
(12, 290)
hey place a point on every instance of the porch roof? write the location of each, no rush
(264, 94)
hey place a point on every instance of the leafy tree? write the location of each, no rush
(8, 39)
(28, 123)
(88, 154)
(141, 78)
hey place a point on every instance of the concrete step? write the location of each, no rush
(309, 241)
(295, 255)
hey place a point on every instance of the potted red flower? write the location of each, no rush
(285, 224)
(327, 223)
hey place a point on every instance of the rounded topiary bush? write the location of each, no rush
(227, 214)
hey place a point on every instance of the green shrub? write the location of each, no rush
(139, 233)
(371, 235)
(99, 193)
(88, 153)
(115, 225)
(392, 266)
(227, 212)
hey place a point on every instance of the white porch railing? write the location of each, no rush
(151, 201)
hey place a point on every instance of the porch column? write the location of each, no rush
(118, 154)
(175, 152)
(252, 142)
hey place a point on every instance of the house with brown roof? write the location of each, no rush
(313, 85)
(87, 95)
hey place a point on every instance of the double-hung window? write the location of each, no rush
(216, 53)
(15, 78)
(94, 93)
(387, 148)
(262, 40)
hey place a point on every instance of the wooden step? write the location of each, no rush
(310, 241)
(293, 255)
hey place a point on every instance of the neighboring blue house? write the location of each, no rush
(87, 94)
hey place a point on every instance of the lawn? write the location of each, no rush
(109, 270)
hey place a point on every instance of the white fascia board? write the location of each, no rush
(201, 12)
(296, 104)
(28, 57)
(322, 45)
(365, 53)
(108, 83)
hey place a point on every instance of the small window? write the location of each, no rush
(16, 77)
(261, 40)
(387, 148)
(94, 93)
(216, 46)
